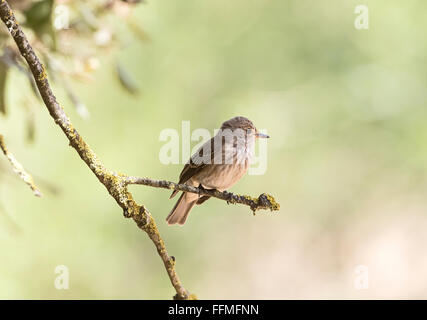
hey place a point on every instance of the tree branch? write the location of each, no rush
(114, 182)
(264, 201)
(117, 183)
(19, 169)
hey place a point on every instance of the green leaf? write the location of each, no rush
(3, 77)
(30, 127)
(126, 80)
(39, 14)
(39, 18)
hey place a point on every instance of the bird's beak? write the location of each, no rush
(261, 135)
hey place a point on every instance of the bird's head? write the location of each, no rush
(242, 123)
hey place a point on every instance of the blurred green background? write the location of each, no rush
(347, 159)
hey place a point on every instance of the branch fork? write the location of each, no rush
(117, 183)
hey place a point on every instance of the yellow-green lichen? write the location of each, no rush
(19, 169)
(274, 204)
(43, 75)
(264, 201)
(172, 262)
(249, 198)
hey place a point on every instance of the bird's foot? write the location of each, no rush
(205, 189)
(201, 189)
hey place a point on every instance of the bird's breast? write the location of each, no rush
(223, 176)
(231, 162)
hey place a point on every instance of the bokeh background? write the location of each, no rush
(347, 159)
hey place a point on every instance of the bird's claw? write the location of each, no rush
(200, 189)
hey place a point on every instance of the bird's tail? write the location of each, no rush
(181, 209)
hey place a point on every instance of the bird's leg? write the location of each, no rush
(202, 189)
(202, 197)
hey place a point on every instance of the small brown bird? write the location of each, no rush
(218, 164)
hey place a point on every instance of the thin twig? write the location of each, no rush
(19, 169)
(264, 201)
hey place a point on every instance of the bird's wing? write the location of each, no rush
(196, 163)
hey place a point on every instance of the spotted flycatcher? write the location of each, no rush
(218, 164)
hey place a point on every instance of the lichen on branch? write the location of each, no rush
(113, 182)
(19, 169)
(117, 183)
(264, 201)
